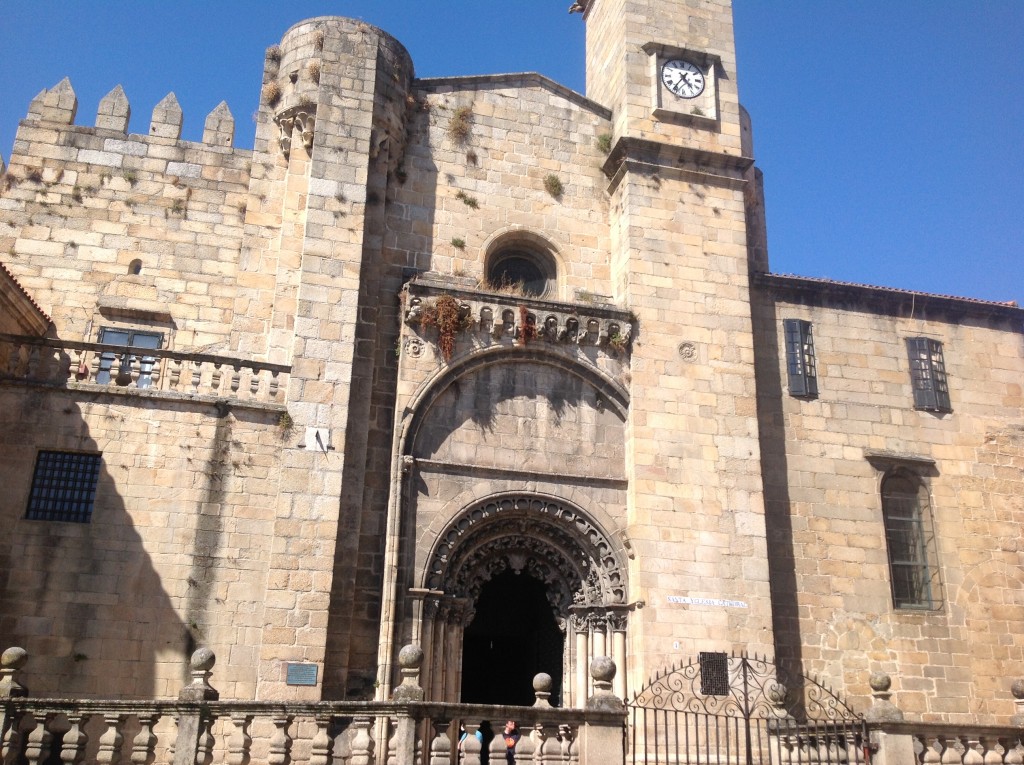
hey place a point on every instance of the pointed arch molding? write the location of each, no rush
(432, 388)
(544, 537)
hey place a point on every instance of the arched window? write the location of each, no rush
(521, 264)
(910, 541)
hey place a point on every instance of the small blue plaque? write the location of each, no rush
(301, 674)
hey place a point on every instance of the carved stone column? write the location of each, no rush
(581, 658)
(617, 621)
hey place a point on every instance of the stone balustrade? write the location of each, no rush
(72, 364)
(199, 728)
(499, 317)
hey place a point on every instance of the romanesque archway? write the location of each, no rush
(559, 564)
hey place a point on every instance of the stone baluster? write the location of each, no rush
(567, 739)
(949, 753)
(280, 742)
(497, 750)
(109, 751)
(989, 749)
(176, 369)
(320, 746)
(362, 741)
(236, 377)
(124, 364)
(1012, 754)
(205, 742)
(441, 746)
(72, 749)
(275, 384)
(37, 743)
(550, 750)
(190, 721)
(526, 749)
(144, 743)
(197, 375)
(215, 378)
(471, 745)
(254, 382)
(78, 370)
(972, 750)
(239, 742)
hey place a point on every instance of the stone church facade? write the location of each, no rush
(485, 365)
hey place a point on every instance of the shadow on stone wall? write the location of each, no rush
(84, 599)
(774, 476)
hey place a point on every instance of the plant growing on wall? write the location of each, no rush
(553, 185)
(447, 316)
(460, 123)
(271, 93)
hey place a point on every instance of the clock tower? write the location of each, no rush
(681, 183)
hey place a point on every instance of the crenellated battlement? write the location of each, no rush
(59, 105)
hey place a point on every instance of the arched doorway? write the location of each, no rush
(512, 637)
(516, 585)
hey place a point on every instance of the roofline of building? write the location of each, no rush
(468, 82)
(29, 311)
(887, 299)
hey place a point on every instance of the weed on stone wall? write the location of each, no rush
(449, 318)
(460, 124)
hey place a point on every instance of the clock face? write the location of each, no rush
(684, 79)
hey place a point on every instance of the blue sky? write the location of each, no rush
(891, 134)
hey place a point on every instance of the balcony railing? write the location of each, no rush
(72, 364)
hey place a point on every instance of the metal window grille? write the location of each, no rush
(928, 375)
(131, 338)
(908, 538)
(714, 673)
(800, 364)
(63, 487)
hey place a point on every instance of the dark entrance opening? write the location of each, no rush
(512, 637)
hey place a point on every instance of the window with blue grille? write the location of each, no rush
(63, 487)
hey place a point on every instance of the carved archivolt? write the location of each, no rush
(548, 540)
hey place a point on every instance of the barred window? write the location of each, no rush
(63, 487)
(714, 673)
(800, 366)
(928, 374)
(910, 541)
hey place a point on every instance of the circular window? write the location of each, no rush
(516, 268)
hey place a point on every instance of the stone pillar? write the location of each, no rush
(602, 743)
(1017, 689)
(890, 748)
(13, 659)
(190, 723)
(410, 659)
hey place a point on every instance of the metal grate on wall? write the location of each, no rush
(714, 673)
(63, 487)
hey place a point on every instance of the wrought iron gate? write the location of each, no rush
(737, 710)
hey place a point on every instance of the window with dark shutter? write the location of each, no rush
(714, 673)
(63, 487)
(800, 366)
(928, 375)
(132, 338)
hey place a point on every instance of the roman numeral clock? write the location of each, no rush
(685, 84)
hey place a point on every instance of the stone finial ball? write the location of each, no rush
(880, 682)
(410, 657)
(14, 658)
(542, 682)
(1017, 689)
(203, 659)
(602, 668)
